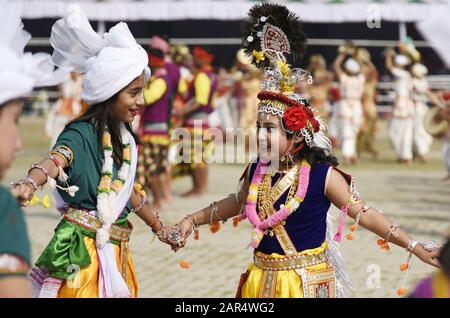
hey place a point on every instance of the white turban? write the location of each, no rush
(419, 70)
(20, 72)
(402, 60)
(352, 66)
(111, 61)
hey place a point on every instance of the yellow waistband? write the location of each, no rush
(302, 259)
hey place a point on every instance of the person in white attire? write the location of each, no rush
(421, 94)
(66, 108)
(349, 109)
(401, 126)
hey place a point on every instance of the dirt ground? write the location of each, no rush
(414, 197)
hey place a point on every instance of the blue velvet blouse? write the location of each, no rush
(307, 225)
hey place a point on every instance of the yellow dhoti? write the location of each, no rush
(85, 284)
(279, 283)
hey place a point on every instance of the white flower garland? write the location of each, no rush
(108, 189)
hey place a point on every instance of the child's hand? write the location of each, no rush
(429, 257)
(23, 193)
(186, 229)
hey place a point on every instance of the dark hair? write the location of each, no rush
(100, 116)
(316, 155)
(313, 155)
(444, 257)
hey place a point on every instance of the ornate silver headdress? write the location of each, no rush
(269, 33)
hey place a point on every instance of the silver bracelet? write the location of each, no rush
(24, 181)
(237, 199)
(412, 244)
(392, 232)
(215, 210)
(144, 201)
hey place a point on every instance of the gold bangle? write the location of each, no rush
(65, 152)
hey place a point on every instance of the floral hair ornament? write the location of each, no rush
(270, 34)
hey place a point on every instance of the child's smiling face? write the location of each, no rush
(273, 142)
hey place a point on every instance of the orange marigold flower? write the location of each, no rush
(106, 140)
(350, 237)
(137, 187)
(196, 235)
(215, 227)
(353, 227)
(127, 154)
(401, 291)
(404, 267)
(105, 182)
(236, 221)
(117, 185)
(185, 264)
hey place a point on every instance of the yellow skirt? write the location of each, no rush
(87, 280)
(286, 284)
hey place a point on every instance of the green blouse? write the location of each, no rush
(13, 229)
(86, 167)
(67, 248)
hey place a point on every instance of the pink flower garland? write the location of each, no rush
(344, 212)
(280, 215)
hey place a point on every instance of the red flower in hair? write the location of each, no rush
(295, 118)
(314, 123)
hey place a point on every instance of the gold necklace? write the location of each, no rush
(266, 197)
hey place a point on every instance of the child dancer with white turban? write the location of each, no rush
(94, 161)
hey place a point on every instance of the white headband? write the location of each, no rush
(419, 70)
(110, 62)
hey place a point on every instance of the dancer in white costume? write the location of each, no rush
(350, 109)
(421, 94)
(401, 127)
(66, 108)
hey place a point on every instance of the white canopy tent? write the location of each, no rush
(431, 17)
(310, 11)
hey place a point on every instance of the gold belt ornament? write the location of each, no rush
(289, 262)
(117, 233)
(92, 223)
